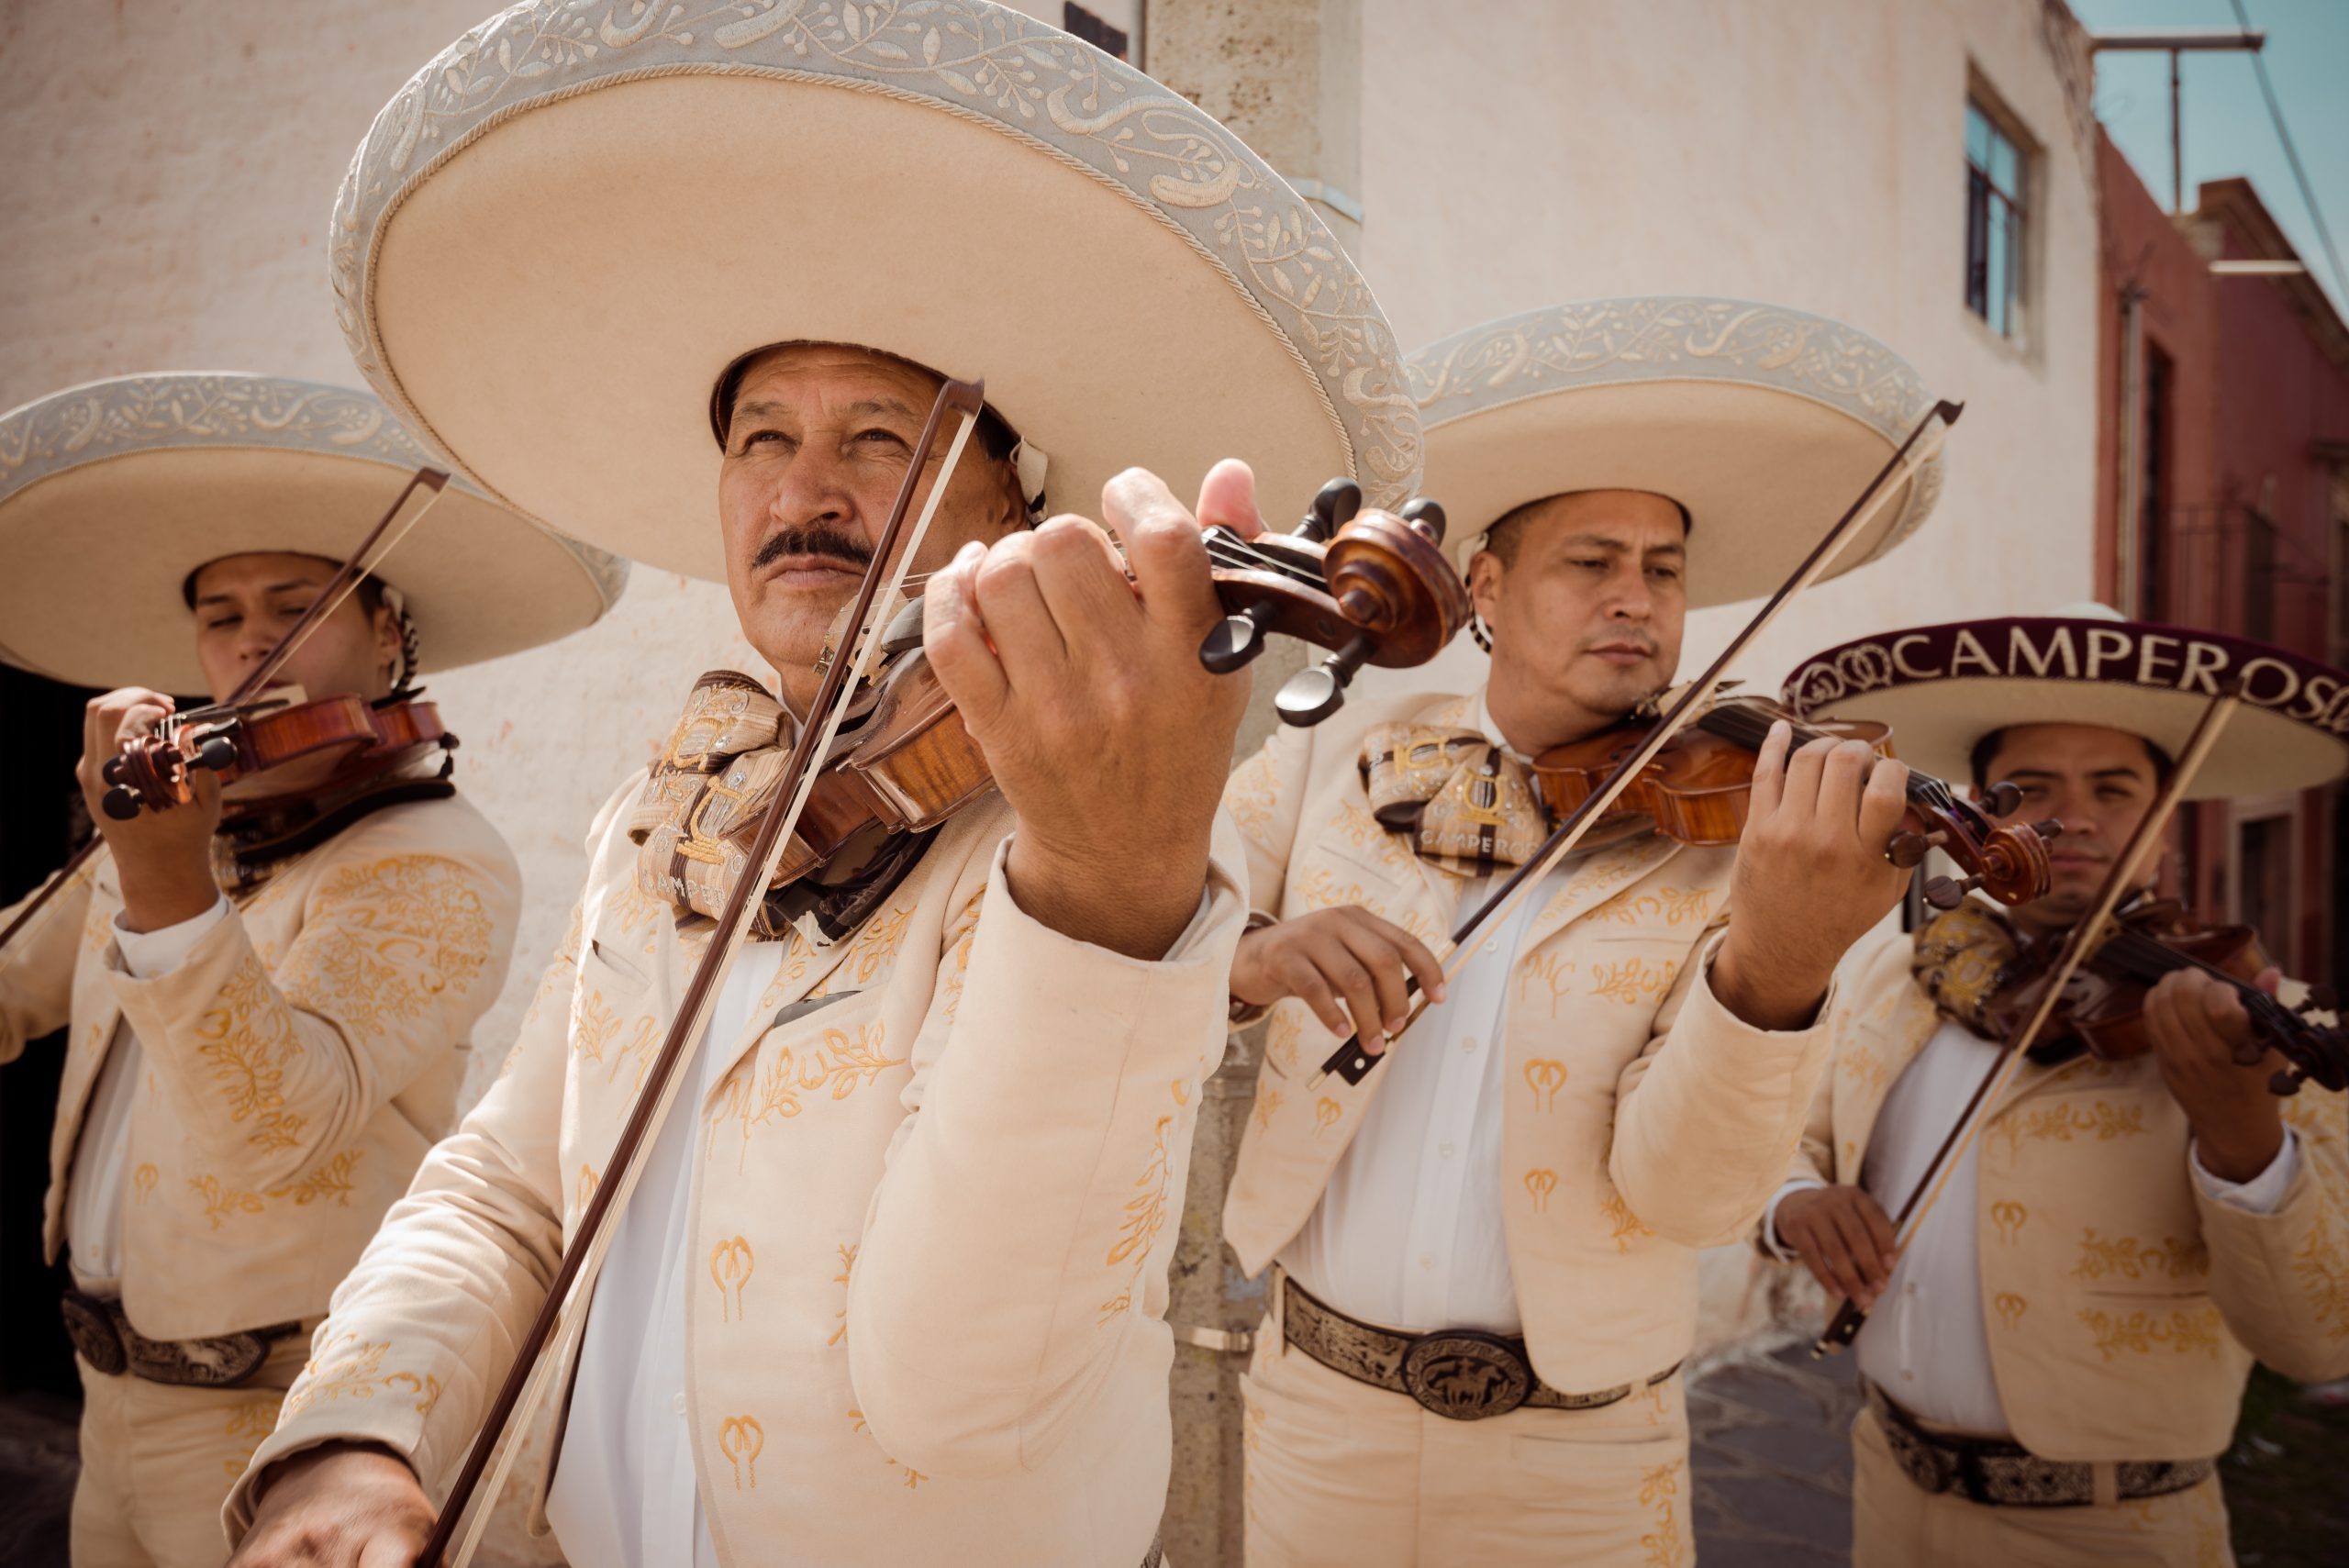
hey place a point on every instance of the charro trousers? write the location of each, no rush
(157, 1460)
(1339, 1472)
(1897, 1524)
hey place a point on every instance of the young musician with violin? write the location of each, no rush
(271, 985)
(2054, 1352)
(1486, 1244)
(891, 1286)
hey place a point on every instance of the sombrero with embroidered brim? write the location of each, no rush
(563, 230)
(113, 493)
(1762, 422)
(1943, 688)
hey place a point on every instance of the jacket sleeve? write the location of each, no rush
(426, 1324)
(275, 1063)
(36, 966)
(1265, 798)
(2281, 1279)
(1019, 1241)
(1708, 1116)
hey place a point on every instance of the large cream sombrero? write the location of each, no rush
(1942, 688)
(112, 493)
(1764, 422)
(563, 229)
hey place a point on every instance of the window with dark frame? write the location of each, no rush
(1994, 216)
(1078, 22)
(2153, 564)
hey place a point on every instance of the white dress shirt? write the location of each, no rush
(1926, 1343)
(101, 1168)
(624, 1491)
(1409, 1233)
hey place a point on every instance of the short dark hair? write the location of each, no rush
(994, 434)
(1505, 536)
(1985, 751)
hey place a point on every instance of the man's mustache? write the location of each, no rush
(815, 540)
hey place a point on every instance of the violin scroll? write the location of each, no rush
(1373, 587)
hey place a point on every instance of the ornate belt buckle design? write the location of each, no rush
(1465, 1376)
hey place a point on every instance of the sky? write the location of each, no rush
(2227, 131)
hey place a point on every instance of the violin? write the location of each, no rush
(1697, 787)
(2102, 1006)
(270, 753)
(1373, 587)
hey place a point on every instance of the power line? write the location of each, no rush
(2292, 156)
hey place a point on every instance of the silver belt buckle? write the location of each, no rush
(1465, 1376)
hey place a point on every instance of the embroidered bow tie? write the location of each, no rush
(698, 814)
(1466, 804)
(1959, 957)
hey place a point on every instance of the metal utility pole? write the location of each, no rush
(2232, 40)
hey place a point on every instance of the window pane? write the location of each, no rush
(2002, 167)
(1995, 287)
(1977, 242)
(1978, 138)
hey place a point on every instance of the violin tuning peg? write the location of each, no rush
(1333, 508)
(121, 803)
(1314, 694)
(1236, 639)
(111, 770)
(2003, 798)
(2286, 1081)
(2249, 1052)
(1425, 516)
(1907, 851)
(2049, 831)
(1943, 893)
(217, 753)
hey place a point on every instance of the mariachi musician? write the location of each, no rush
(891, 1287)
(2054, 1357)
(1485, 1249)
(270, 999)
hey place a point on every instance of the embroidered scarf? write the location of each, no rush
(1465, 803)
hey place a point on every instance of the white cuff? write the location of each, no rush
(2263, 1194)
(1770, 1241)
(150, 954)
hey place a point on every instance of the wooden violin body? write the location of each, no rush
(1379, 591)
(265, 756)
(1698, 787)
(2103, 1006)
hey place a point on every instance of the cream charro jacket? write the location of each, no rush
(299, 1063)
(933, 1213)
(1643, 1120)
(2124, 1307)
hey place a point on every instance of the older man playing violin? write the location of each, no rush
(892, 1288)
(269, 1015)
(2055, 1357)
(1487, 1246)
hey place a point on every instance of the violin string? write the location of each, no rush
(1233, 555)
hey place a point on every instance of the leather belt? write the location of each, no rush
(2005, 1475)
(1461, 1373)
(101, 1331)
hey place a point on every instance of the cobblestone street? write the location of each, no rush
(1772, 1459)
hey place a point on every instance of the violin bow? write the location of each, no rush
(564, 1310)
(355, 569)
(2080, 941)
(1350, 1061)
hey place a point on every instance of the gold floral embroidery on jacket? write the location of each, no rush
(848, 1266)
(740, 1438)
(1556, 975)
(1268, 1105)
(145, 1178)
(1545, 1077)
(2125, 1257)
(1251, 795)
(874, 950)
(221, 1200)
(248, 1423)
(1145, 1213)
(357, 1374)
(1673, 905)
(1284, 1031)
(766, 1086)
(2008, 1218)
(2323, 1276)
(246, 1038)
(2104, 1121)
(2178, 1331)
(1540, 1185)
(1629, 979)
(731, 1262)
(857, 1426)
(1626, 1224)
(388, 937)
